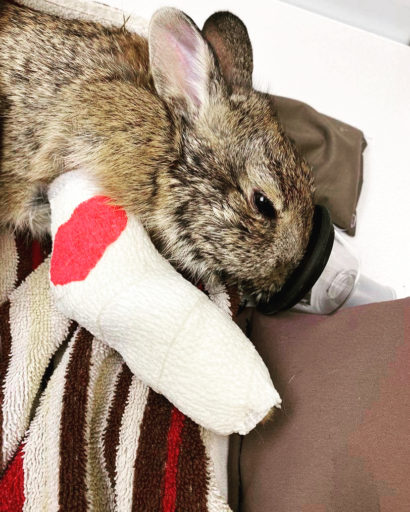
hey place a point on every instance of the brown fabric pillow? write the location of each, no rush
(334, 150)
(341, 442)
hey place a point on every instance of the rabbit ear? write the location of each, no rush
(230, 41)
(181, 61)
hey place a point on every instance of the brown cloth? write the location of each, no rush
(341, 442)
(334, 151)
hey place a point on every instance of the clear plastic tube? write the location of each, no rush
(337, 281)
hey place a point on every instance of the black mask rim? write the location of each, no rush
(309, 269)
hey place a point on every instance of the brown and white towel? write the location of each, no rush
(78, 431)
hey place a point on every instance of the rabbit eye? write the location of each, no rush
(264, 205)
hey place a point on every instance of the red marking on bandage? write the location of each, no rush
(81, 241)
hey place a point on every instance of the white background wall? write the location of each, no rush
(353, 75)
(389, 18)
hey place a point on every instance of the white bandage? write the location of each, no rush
(107, 275)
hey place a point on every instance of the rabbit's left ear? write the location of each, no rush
(229, 38)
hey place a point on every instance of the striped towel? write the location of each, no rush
(78, 431)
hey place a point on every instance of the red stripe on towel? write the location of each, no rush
(37, 255)
(12, 485)
(171, 468)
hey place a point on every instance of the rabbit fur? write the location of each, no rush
(171, 127)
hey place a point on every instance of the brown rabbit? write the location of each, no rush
(172, 129)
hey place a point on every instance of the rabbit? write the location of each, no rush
(172, 129)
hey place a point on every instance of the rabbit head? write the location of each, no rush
(238, 204)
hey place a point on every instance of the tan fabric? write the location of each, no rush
(342, 439)
(334, 150)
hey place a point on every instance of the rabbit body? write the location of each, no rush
(173, 131)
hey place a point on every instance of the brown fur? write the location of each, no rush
(75, 94)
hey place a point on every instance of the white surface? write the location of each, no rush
(353, 75)
(389, 18)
